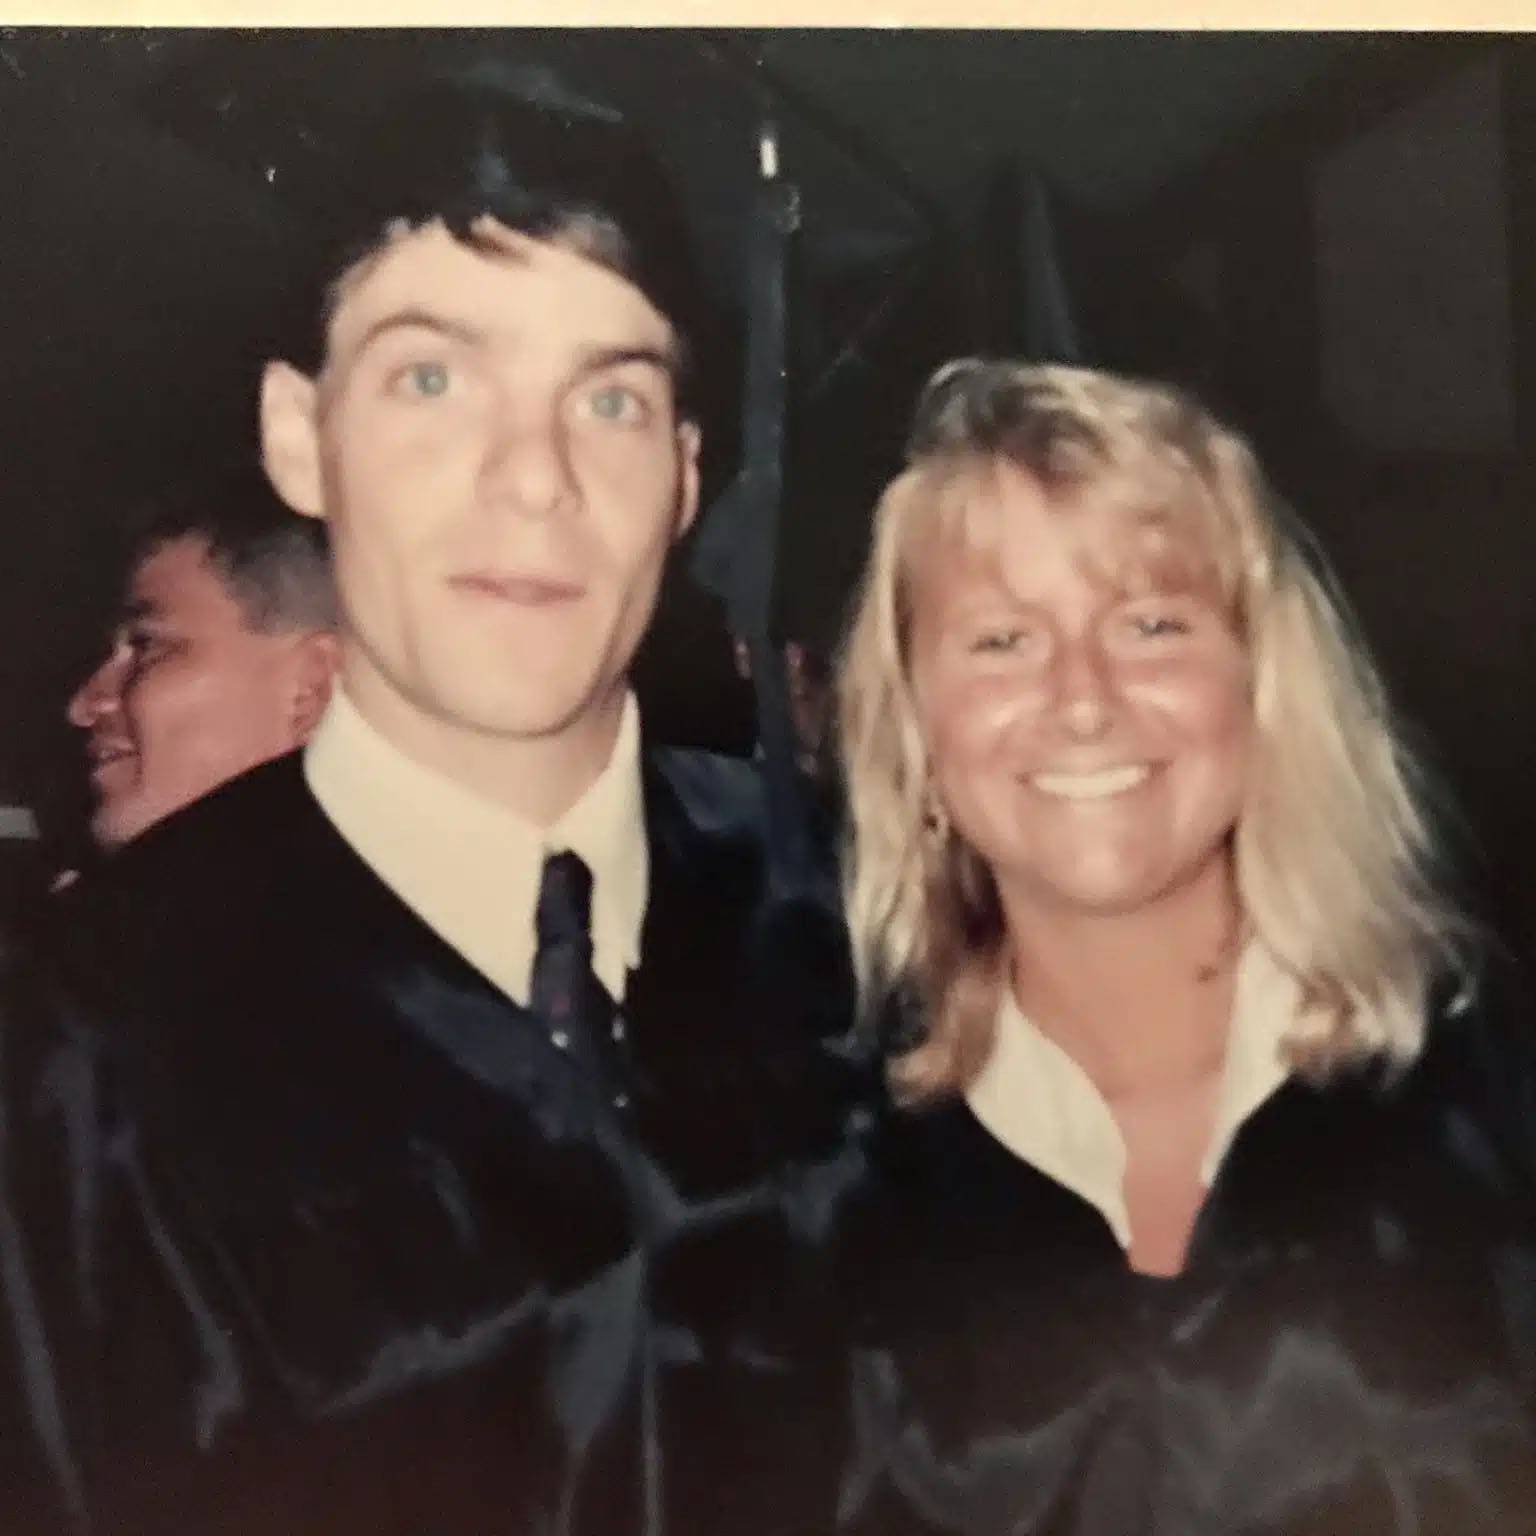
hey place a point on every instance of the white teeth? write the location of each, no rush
(1091, 786)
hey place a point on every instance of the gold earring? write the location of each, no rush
(935, 818)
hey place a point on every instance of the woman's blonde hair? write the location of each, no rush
(1333, 855)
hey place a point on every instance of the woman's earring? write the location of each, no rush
(935, 818)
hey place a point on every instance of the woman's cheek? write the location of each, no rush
(975, 718)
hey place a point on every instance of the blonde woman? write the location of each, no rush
(1205, 1198)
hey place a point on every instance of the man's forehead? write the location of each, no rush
(498, 283)
(171, 571)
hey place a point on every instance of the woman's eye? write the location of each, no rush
(997, 642)
(1157, 625)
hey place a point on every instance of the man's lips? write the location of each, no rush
(104, 755)
(524, 590)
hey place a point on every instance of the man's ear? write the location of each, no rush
(290, 438)
(316, 660)
(688, 441)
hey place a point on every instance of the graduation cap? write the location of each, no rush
(804, 240)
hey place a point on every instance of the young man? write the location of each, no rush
(222, 657)
(445, 1126)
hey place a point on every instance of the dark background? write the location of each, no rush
(1332, 237)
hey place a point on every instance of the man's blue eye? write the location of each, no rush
(429, 379)
(615, 403)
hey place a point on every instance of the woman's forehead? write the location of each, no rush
(1123, 532)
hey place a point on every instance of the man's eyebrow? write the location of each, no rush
(419, 320)
(594, 359)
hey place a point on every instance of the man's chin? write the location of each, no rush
(524, 724)
(531, 716)
(117, 822)
(110, 829)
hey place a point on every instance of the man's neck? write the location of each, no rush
(1137, 997)
(538, 778)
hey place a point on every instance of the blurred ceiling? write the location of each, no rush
(1110, 116)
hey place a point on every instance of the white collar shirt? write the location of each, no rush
(469, 868)
(1040, 1104)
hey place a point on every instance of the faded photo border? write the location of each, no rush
(1185, 16)
(1328, 15)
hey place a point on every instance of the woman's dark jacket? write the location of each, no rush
(1348, 1352)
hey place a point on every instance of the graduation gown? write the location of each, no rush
(308, 1227)
(1348, 1351)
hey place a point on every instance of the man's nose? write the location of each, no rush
(527, 468)
(96, 697)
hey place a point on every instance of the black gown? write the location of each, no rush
(307, 1227)
(1348, 1351)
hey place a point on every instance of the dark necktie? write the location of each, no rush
(566, 995)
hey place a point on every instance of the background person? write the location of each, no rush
(222, 655)
(1199, 1205)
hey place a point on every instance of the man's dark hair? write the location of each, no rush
(275, 564)
(541, 162)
